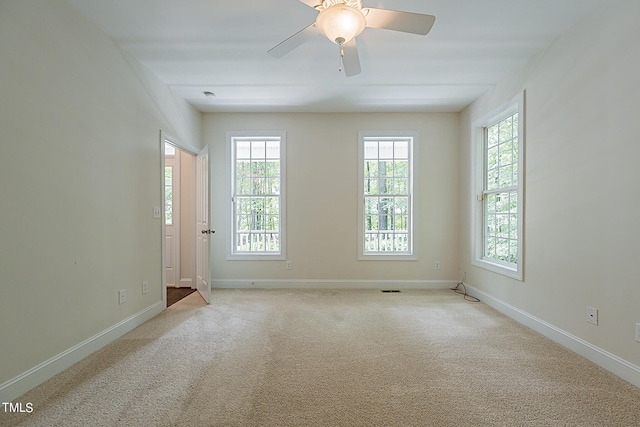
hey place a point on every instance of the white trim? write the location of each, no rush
(414, 135)
(515, 105)
(166, 137)
(609, 361)
(35, 376)
(330, 284)
(229, 177)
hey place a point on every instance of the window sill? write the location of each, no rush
(387, 257)
(256, 257)
(495, 267)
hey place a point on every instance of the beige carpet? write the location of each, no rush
(332, 358)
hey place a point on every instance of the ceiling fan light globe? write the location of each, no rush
(341, 22)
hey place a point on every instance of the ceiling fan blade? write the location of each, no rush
(312, 3)
(407, 22)
(294, 41)
(350, 59)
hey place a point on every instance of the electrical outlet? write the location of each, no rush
(122, 296)
(145, 287)
(592, 315)
(437, 265)
(638, 332)
(288, 265)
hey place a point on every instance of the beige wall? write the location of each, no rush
(322, 199)
(581, 183)
(80, 174)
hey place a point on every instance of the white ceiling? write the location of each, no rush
(221, 46)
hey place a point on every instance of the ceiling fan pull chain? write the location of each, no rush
(340, 57)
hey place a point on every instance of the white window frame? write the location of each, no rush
(232, 137)
(479, 127)
(412, 137)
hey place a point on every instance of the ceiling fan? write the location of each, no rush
(342, 20)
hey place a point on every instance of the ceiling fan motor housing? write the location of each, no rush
(341, 20)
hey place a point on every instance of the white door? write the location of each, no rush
(202, 225)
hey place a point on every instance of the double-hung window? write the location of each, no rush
(257, 195)
(499, 190)
(385, 195)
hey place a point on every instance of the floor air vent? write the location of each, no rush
(391, 290)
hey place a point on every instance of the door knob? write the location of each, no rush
(208, 231)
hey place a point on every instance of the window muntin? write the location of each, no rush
(386, 191)
(257, 207)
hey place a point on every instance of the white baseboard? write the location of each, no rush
(24, 382)
(609, 361)
(331, 284)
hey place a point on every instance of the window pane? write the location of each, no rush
(243, 223)
(388, 169)
(371, 150)
(371, 242)
(371, 168)
(258, 150)
(243, 205)
(401, 222)
(492, 136)
(371, 222)
(505, 176)
(271, 205)
(272, 168)
(492, 179)
(513, 251)
(491, 224)
(505, 129)
(371, 186)
(502, 223)
(513, 226)
(385, 149)
(273, 186)
(273, 150)
(168, 214)
(168, 195)
(243, 150)
(490, 203)
(401, 242)
(401, 150)
(506, 154)
(401, 206)
(401, 186)
(258, 168)
(371, 205)
(401, 168)
(272, 223)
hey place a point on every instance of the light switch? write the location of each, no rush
(157, 212)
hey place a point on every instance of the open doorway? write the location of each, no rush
(185, 223)
(179, 222)
(179, 210)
